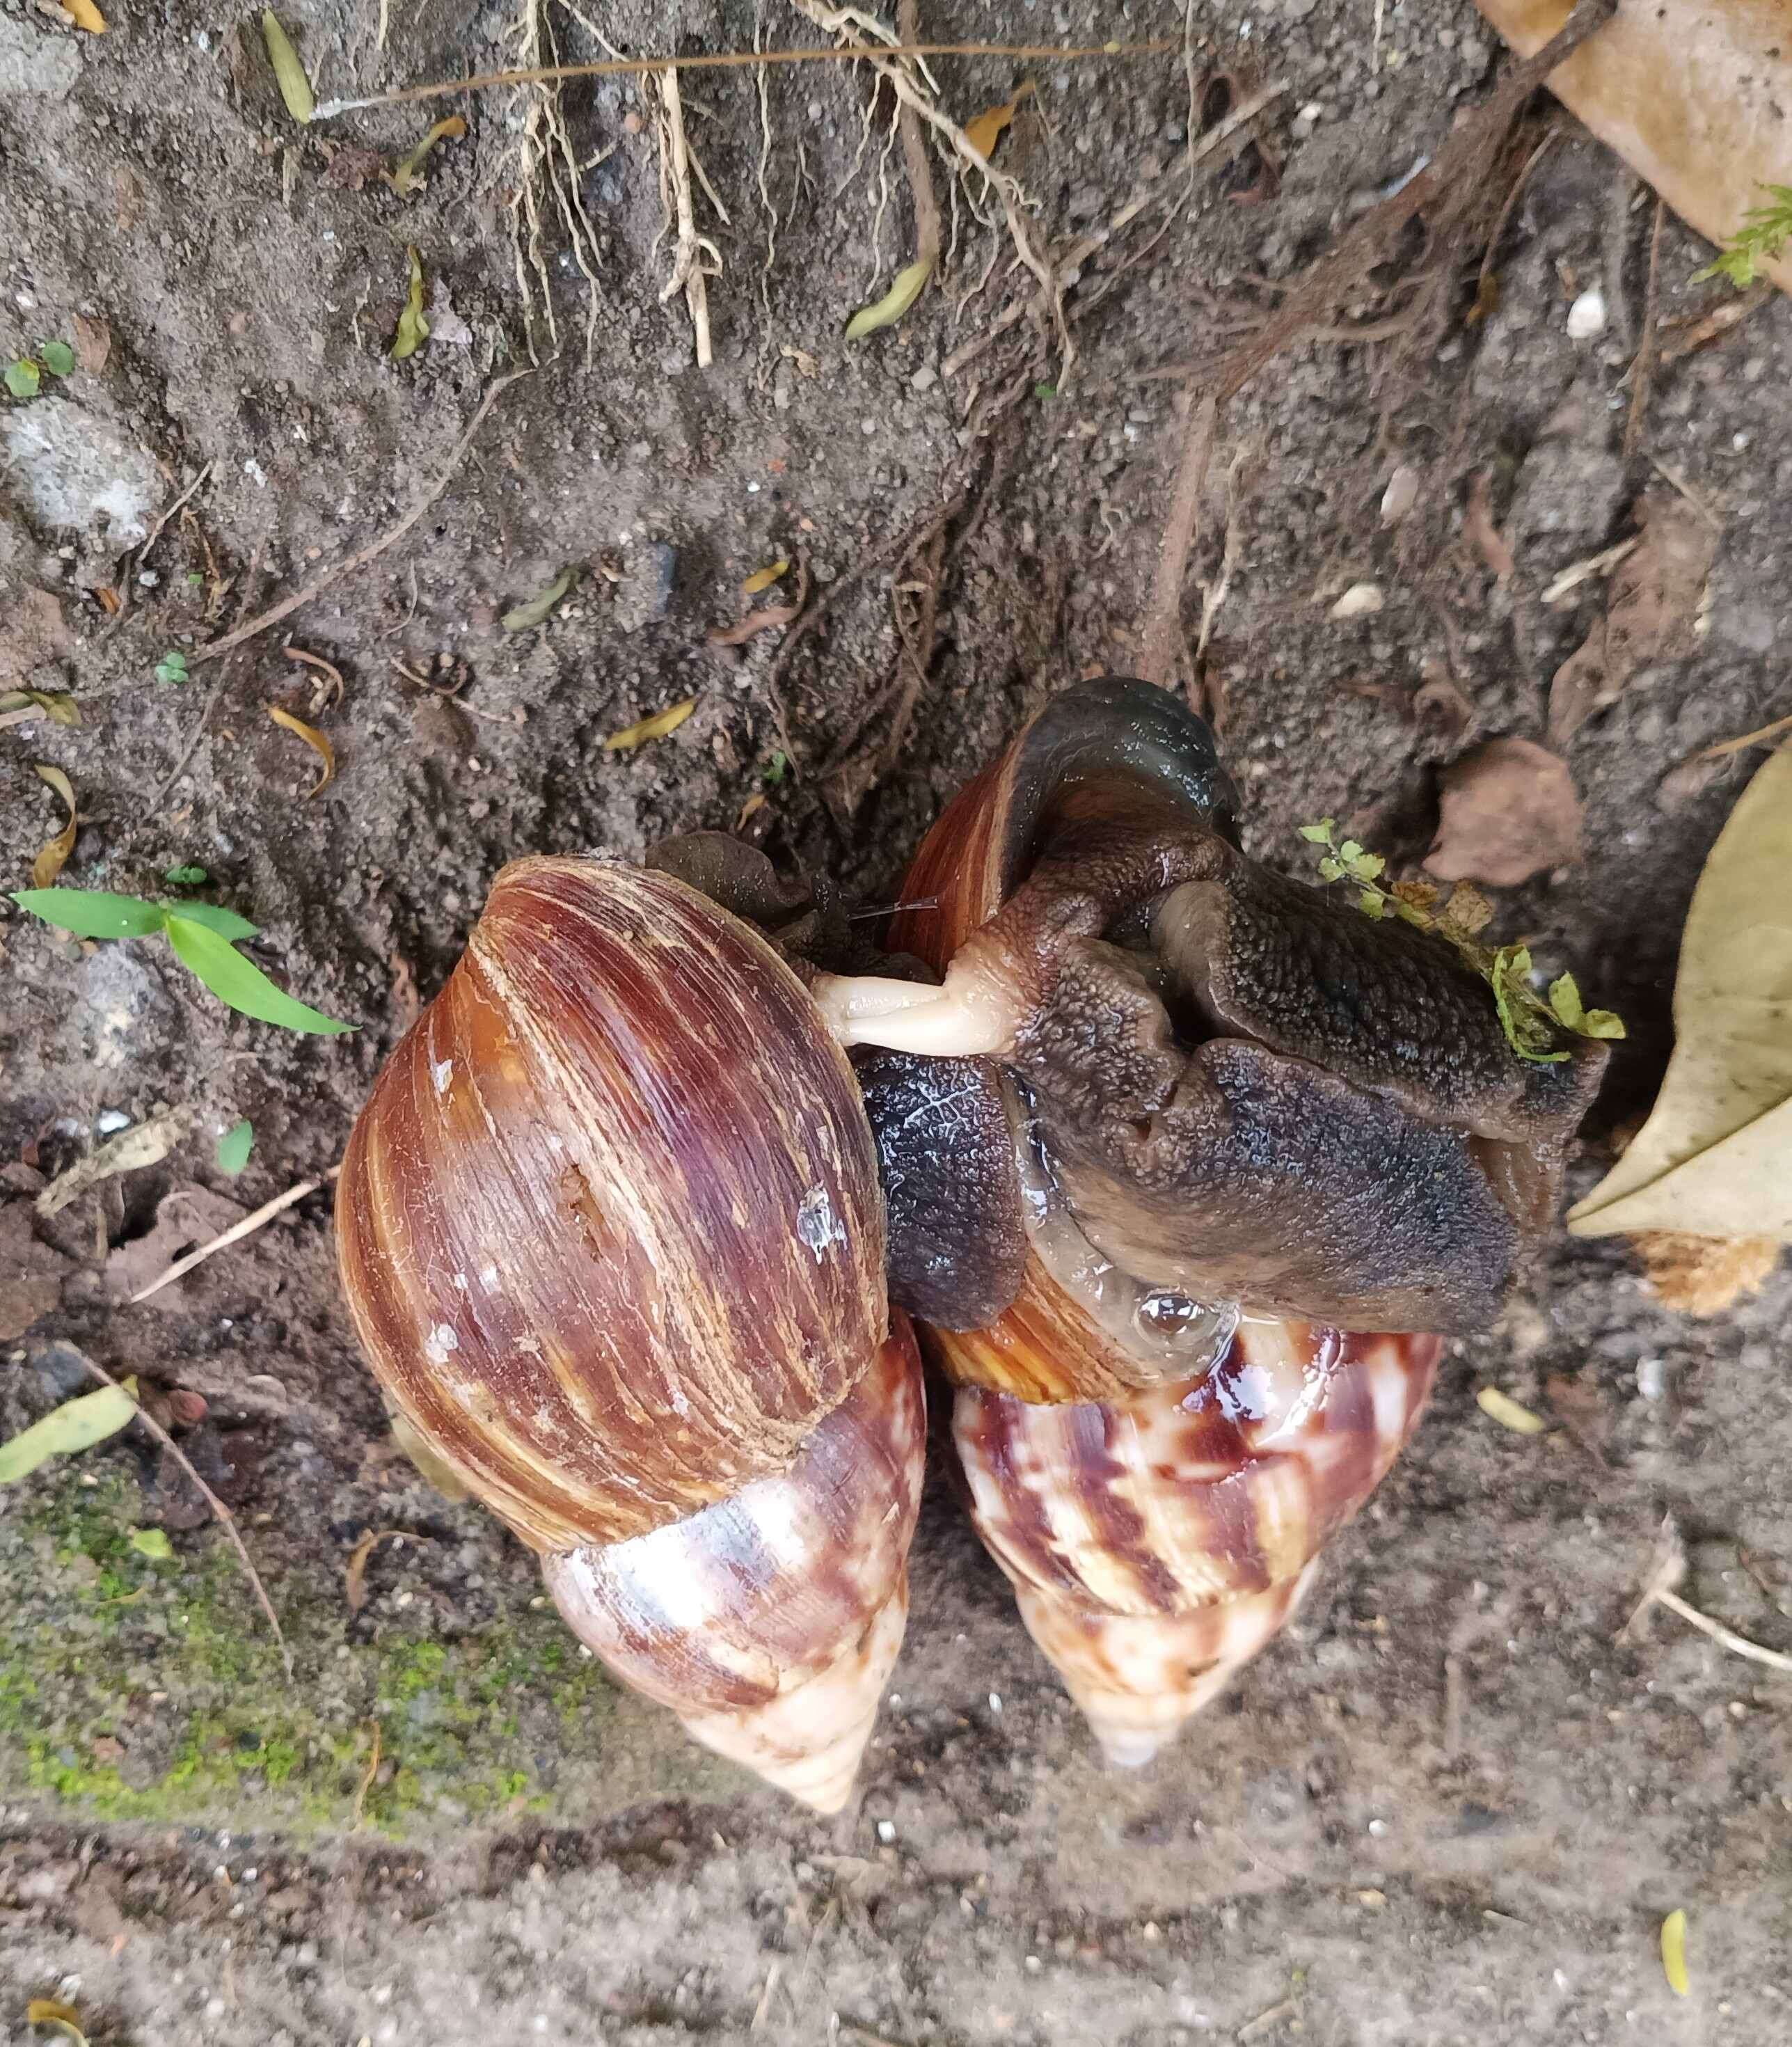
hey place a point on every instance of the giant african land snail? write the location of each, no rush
(609, 1227)
(1171, 1126)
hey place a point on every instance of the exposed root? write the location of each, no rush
(695, 257)
(546, 178)
(773, 221)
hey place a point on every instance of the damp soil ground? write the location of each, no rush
(1450, 1805)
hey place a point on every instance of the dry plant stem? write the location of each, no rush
(1701, 333)
(1758, 738)
(1215, 595)
(1739, 1645)
(688, 271)
(367, 1777)
(1163, 646)
(1643, 369)
(1490, 254)
(142, 551)
(928, 235)
(732, 60)
(237, 1232)
(225, 1520)
(391, 537)
(839, 21)
(1073, 258)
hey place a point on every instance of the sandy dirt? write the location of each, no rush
(1449, 1805)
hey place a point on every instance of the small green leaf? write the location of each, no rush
(171, 667)
(152, 1543)
(1365, 866)
(1350, 851)
(1330, 869)
(1321, 833)
(1564, 1000)
(226, 923)
(92, 913)
(1372, 903)
(525, 617)
(894, 304)
(776, 768)
(56, 357)
(22, 378)
(234, 1145)
(413, 325)
(1045, 392)
(76, 1425)
(289, 74)
(239, 982)
(1602, 1024)
(186, 877)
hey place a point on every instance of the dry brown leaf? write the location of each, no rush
(1509, 810)
(763, 578)
(986, 130)
(54, 857)
(146, 1144)
(109, 601)
(1704, 1276)
(1706, 134)
(1652, 607)
(1477, 523)
(656, 727)
(314, 739)
(1715, 1157)
(1583, 1410)
(407, 178)
(93, 344)
(354, 1578)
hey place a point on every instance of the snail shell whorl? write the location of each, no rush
(770, 1621)
(1158, 1541)
(609, 1224)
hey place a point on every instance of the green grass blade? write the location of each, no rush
(91, 913)
(239, 982)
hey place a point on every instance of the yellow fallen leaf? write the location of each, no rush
(657, 727)
(763, 578)
(77, 1425)
(407, 177)
(894, 302)
(18, 705)
(1502, 1408)
(289, 74)
(314, 739)
(985, 131)
(86, 16)
(413, 328)
(54, 857)
(1715, 1157)
(1674, 1954)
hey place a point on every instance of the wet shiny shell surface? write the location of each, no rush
(609, 1223)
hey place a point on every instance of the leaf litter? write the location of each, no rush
(314, 739)
(1714, 1158)
(77, 1425)
(53, 857)
(1508, 810)
(1654, 612)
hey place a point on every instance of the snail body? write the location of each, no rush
(1166, 1130)
(610, 1231)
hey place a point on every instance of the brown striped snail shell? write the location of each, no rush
(1168, 1125)
(610, 1230)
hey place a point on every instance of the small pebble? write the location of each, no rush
(886, 1831)
(1586, 317)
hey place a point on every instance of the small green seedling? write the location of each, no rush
(776, 770)
(1533, 1026)
(56, 357)
(25, 375)
(1764, 233)
(185, 877)
(203, 935)
(24, 378)
(171, 667)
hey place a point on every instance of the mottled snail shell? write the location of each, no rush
(609, 1223)
(1158, 1541)
(610, 1230)
(770, 1621)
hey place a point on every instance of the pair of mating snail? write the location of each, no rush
(632, 1243)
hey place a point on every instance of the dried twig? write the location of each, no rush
(1643, 369)
(1730, 312)
(367, 1777)
(225, 1520)
(141, 553)
(1758, 738)
(1666, 1568)
(392, 534)
(915, 157)
(730, 59)
(695, 257)
(237, 1232)
(1162, 647)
